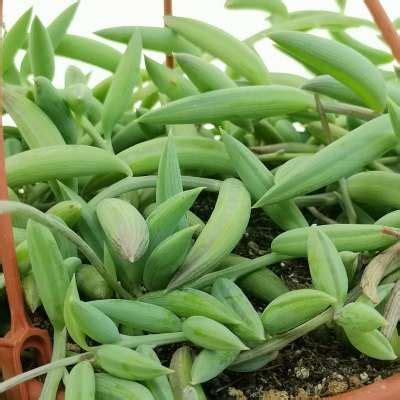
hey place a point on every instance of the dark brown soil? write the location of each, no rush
(315, 366)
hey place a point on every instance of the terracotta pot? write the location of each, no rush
(386, 389)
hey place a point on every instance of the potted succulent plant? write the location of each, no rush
(188, 232)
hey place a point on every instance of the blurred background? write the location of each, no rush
(93, 15)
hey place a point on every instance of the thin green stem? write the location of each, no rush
(315, 200)
(152, 340)
(379, 166)
(350, 110)
(143, 92)
(243, 268)
(54, 376)
(44, 369)
(93, 133)
(281, 156)
(251, 40)
(281, 341)
(286, 147)
(321, 216)
(347, 202)
(324, 119)
(389, 160)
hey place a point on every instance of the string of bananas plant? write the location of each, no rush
(102, 179)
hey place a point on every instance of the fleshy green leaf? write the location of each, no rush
(342, 62)
(327, 269)
(15, 39)
(215, 41)
(51, 277)
(124, 80)
(41, 51)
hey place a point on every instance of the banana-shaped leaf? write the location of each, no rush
(328, 86)
(367, 187)
(211, 157)
(228, 293)
(257, 179)
(124, 227)
(41, 51)
(254, 364)
(204, 75)
(294, 308)
(215, 41)
(376, 56)
(49, 99)
(210, 363)
(348, 154)
(263, 284)
(89, 226)
(208, 77)
(165, 219)
(154, 38)
(109, 387)
(192, 302)
(273, 6)
(390, 219)
(169, 82)
(345, 237)
(230, 104)
(159, 387)
(31, 294)
(69, 211)
(51, 278)
(35, 126)
(327, 269)
(139, 315)
(56, 31)
(15, 39)
(80, 384)
(124, 80)
(315, 19)
(360, 317)
(89, 51)
(169, 180)
(220, 235)
(210, 334)
(180, 379)
(373, 343)
(94, 323)
(166, 258)
(128, 364)
(60, 162)
(71, 323)
(340, 61)
(91, 284)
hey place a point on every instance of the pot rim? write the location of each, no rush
(385, 389)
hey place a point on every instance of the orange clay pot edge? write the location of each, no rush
(386, 389)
